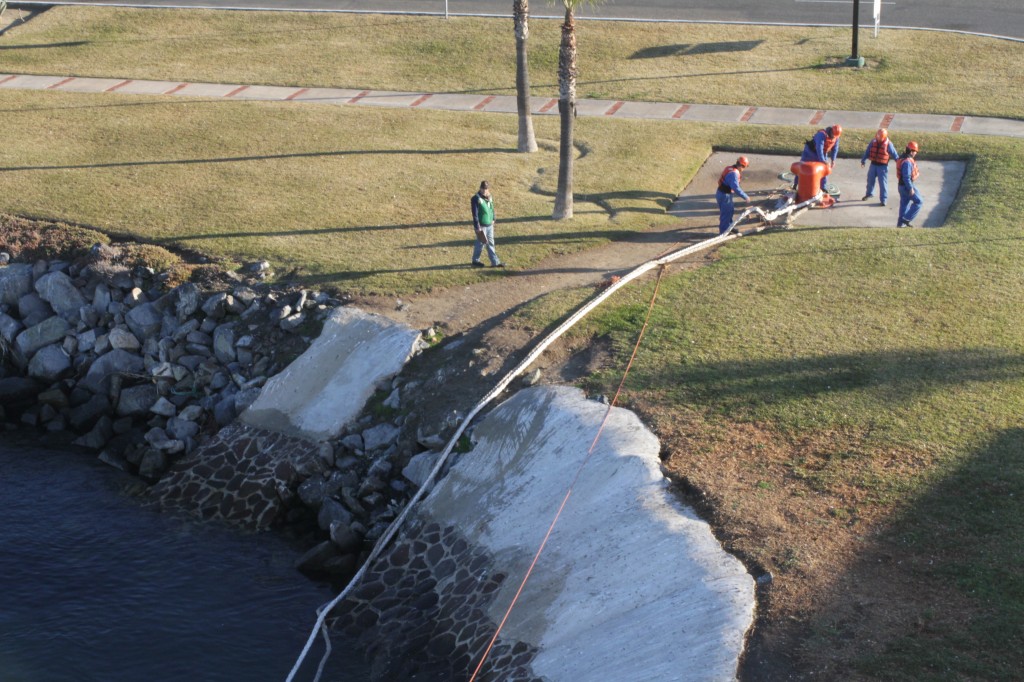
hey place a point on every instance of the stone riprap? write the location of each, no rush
(625, 551)
(117, 361)
(423, 611)
(323, 391)
(242, 475)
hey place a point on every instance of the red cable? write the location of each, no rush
(572, 485)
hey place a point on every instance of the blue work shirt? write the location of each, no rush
(732, 181)
(819, 147)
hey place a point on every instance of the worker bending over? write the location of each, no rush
(824, 148)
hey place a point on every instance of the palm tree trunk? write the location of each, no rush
(521, 17)
(566, 113)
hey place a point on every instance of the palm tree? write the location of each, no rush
(521, 18)
(567, 107)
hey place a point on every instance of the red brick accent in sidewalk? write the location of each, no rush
(547, 107)
(680, 111)
(63, 82)
(887, 120)
(747, 114)
(816, 119)
(239, 89)
(613, 108)
(296, 94)
(484, 102)
(958, 123)
(176, 88)
(358, 97)
(112, 88)
(9, 78)
(420, 100)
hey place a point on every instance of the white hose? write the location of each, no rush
(568, 324)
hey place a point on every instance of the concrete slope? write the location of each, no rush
(632, 585)
(318, 394)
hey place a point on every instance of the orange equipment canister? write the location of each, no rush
(809, 175)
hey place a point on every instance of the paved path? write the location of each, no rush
(999, 18)
(931, 123)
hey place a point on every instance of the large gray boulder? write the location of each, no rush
(9, 327)
(50, 364)
(32, 309)
(35, 337)
(144, 320)
(137, 400)
(117, 361)
(120, 337)
(224, 343)
(87, 413)
(15, 282)
(57, 289)
(101, 298)
(186, 300)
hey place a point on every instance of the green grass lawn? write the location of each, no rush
(913, 71)
(909, 339)
(913, 341)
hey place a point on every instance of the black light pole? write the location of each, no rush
(855, 59)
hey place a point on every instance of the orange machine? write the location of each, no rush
(809, 175)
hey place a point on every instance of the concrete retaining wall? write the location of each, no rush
(631, 586)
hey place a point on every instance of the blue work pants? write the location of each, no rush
(726, 210)
(478, 246)
(910, 205)
(881, 173)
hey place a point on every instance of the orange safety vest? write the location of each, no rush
(829, 142)
(878, 152)
(913, 169)
(722, 187)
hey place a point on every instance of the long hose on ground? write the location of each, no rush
(322, 612)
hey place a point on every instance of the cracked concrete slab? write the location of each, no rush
(632, 585)
(323, 390)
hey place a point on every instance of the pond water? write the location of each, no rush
(93, 586)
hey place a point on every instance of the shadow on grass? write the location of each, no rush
(263, 157)
(75, 43)
(940, 594)
(699, 48)
(891, 377)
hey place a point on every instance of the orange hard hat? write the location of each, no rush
(743, 162)
(882, 135)
(835, 130)
(912, 146)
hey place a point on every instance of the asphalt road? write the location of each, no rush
(995, 17)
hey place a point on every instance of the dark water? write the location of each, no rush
(94, 587)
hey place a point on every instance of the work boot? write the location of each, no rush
(866, 197)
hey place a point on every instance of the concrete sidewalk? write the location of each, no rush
(929, 123)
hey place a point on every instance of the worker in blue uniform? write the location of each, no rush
(728, 185)
(879, 151)
(906, 175)
(824, 148)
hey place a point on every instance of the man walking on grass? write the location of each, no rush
(482, 206)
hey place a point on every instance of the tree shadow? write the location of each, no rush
(263, 157)
(43, 46)
(890, 377)
(683, 49)
(939, 595)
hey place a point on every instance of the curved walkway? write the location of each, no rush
(666, 111)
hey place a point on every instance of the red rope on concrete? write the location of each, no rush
(568, 493)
